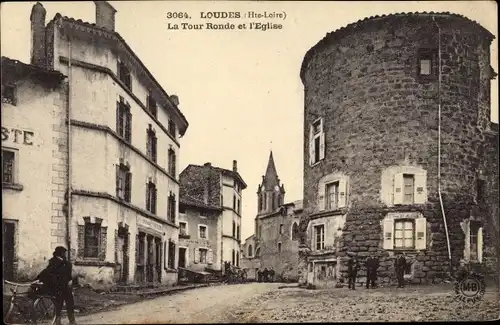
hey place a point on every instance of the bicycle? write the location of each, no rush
(27, 304)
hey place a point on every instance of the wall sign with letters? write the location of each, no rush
(17, 136)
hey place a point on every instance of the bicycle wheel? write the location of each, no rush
(44, 310)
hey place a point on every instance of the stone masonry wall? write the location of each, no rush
(378, 112)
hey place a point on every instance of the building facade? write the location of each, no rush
(275, 243)
(400, 152)
(123, 144)
(200, 234)
(220, 188)
(34, 173)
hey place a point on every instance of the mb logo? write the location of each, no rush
(470, 290)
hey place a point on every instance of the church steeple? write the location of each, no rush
(270, 192)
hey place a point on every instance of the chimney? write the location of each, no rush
(235, 166)
(37, 19)
(105, 15)
(207, 164)
(174, 99)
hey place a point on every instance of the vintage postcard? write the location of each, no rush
(249, 161)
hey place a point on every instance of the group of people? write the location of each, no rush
(265, 275)
(372, 264)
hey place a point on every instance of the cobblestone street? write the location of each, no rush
(265, 302)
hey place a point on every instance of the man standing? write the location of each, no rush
(400, 267)
(372, 265)
(56, 277)
(259, 275)
(352, 271)
(265, 275)
(271, 275)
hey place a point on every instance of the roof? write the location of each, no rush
(107, 33)
(271, 177)
(193, 202)
(330, 37)
(13, 68)
(223, 171)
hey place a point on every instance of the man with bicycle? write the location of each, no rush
(56, 277)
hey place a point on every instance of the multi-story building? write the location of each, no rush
(200, 233)
(400, 153)
(275, 242)
(34, 173)
(221, 188)
(123, 134)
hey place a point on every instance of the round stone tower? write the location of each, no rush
(396, 126)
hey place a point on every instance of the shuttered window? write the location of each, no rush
(316, 142)
(408, 188)
(319, 237)
(203, 255)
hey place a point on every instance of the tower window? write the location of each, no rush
(426, 61)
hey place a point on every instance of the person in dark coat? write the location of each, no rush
(271, 275)
(400, 267)
(352, 271)
(259, 275)
(56, 277)
(463, 271)
(265, 275)
(372, 265)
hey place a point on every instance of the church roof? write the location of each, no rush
(271, 177)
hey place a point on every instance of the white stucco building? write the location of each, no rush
(124, 148)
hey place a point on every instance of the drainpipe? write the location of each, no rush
(69, 191)
(439, 146)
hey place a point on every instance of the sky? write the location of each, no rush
(239, 90)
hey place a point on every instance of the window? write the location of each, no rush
(182, 228)
(202, 231)
(234, 229)
(332, 196)
(239, 206)
(182, 209)
(151, 104)
(171, 255)
(319, 236)
(426, 62)
(238, 259)
(473, 239)
(404, 237)
(9, 94)
(408, 188)
(151, 144)
(91, 240)
(279, 247)
(151, 197)
(124, 75)
(171, 208)
(295, 231)
(281, 229)
(238, 232)
(260, 202)
(273, 201)
(481, 186)
(171, 162)
(123, 120)
(203, 255)
(233, 257)
(316, 142)
(171, 127)
(234, 202)
(123, 182)
(8, 166)
(250, 250)
(257, 252)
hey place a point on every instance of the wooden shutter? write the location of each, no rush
(311, 145)
(117, 180)
(388, 234)
(128, 186)
(210, 257)
(480, 245)
(128, 127)
(342, 193)
(118, 119)
(420, 194)
(398, 189)
(467, 240)
(196, 255)
(420, 233)
(102, 243)
(322, 145)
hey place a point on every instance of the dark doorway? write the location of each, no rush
(122, 253)
(9, 249)
(182, 257)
